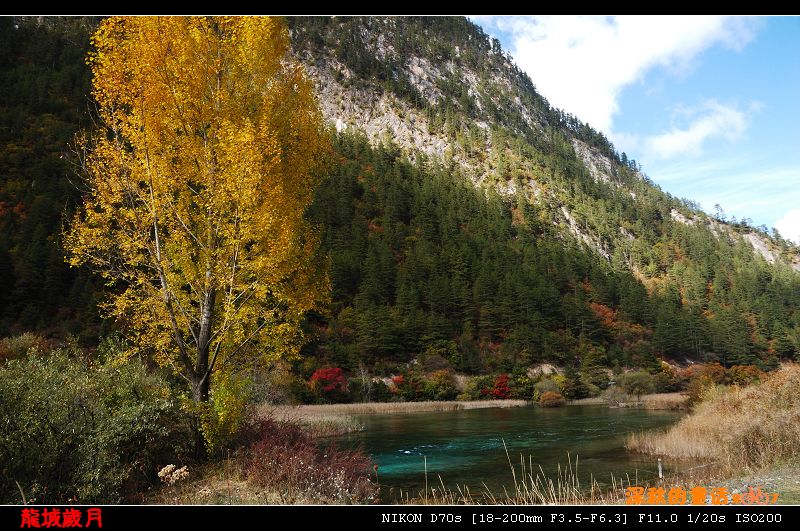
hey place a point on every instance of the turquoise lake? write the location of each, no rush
(468, 447)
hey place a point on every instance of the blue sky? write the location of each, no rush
(710, 106)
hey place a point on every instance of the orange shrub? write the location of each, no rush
(745, 374)
(714, 372)
(551, 399)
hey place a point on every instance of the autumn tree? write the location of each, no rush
(198, 180)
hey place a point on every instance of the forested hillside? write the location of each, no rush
(528, 237)
(466, 220)
(424, 262)
(44, 101)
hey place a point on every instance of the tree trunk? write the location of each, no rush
(201, 377)
(200, 388)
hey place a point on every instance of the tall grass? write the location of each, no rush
(324, 425)
(655, 401)
(531, 486)
(736, 428)
(667, 401)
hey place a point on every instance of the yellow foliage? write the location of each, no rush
(222, 415)
(198, 180)
(561, 381)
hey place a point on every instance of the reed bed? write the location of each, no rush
(736, 428)
(369, 408)
(667, 401)
(655, 401)
(325, 420)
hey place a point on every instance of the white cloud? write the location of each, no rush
(745, 185)
(789, 225)
(582, 63)
(709, 121)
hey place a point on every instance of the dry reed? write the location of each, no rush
(369, 408)
(666, 401)
(531, 486)
(325, 420)
(736, 428)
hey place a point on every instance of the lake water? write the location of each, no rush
(467, 447)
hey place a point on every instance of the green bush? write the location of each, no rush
(380, 392)
(440, 385)
(412, 387)
(17, 347)
(637, 383)
(596, 379)
(574, 386)
(522, 387)
(591, 389)
(90, 434)
(474, 386)
(437, 355)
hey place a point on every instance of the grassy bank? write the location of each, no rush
(275, 462)
(738, 429)
(655, 401)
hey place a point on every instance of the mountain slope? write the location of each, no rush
(468, 222)
(441, 89)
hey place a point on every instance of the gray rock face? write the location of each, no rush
(497, 99)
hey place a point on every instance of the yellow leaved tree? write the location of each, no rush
(198, 179)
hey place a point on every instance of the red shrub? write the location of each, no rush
(330, 383)
(710, 371)
(500, 389)
(397, 383)
(285, 460)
